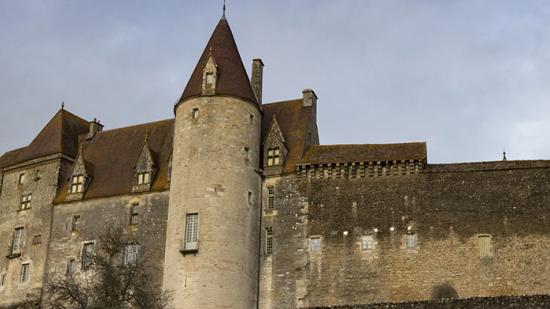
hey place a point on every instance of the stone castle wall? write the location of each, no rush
(447, 208)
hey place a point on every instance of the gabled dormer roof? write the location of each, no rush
(59, 136)
(275, 131)
(232, 77)
(147, 157)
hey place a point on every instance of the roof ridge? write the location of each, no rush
(282, 102)
(136, 125)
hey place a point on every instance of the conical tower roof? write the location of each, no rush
(233, 79)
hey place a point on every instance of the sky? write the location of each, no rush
(470, 78)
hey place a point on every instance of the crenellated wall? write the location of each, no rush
(445, 209)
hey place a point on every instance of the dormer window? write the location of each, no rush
(209, 79)
(77, 184)
(209, 76)
(273, 156)
(144, 178)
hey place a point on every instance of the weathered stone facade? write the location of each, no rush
(236, 205)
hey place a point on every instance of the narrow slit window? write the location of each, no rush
(21, 178)
(268, 240)
(25, 272)
(3, 279)
(134, 214)
(75, 224)
(71, 267)
(195, 113)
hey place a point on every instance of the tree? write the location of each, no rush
(115, 275)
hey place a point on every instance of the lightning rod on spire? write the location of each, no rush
(223, 15)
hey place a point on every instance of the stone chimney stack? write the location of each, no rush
(95, 127)
(257, 77)
(310, 98)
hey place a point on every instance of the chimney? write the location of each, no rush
(257, 76)
(95, 127)
(310, 98)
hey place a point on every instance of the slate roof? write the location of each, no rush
(293, 120)
(233, 79)
(114, 154)
(321, 154)
(60, 135)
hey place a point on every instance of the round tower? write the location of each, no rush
(211, 258)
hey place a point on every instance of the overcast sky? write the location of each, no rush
(468, 77)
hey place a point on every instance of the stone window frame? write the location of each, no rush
(270, 203)
(485, 246)
(411, 241)
(191, 232)
(75, 223)
(3, 279)
(268, 240)
(195, 113)
(134, 214)
(85, 260)
(144, 178)
(131, 254)
(25, 272)
(315, 243)
(367, 243)
(17, 241)
(77, 184)
(21, 179)
(26, 200)
(70, 268)
(274, 157)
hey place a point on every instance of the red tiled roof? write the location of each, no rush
(293, 120)
(60, 135)
(233, 79)
(114, 153)
(321, 154)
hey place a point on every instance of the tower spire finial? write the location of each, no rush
(223, 15)
(504, 155)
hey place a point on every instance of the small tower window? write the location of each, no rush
(273, 156)
(195, 113)
(191, 232)
(26, 202)
(25, 272)
(87, 255)
(3, 279)
(209, 79)
(134, 214)
(410, 241)
(77, 184)
(268, 240)
(144, 178)
(315, 243)
(75, 224)
(21, 178)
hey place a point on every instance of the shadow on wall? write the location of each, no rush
(444, 290)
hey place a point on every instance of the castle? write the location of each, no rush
(243, 208)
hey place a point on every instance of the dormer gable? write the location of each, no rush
(145, 168)
(80, 177)
(209, 76)
(275, 149)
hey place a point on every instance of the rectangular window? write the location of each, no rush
(25, 272)
(87, 255)
(270, 198)
(209, 79)
(191, 231)
(71, 267)
(75, 225)
(195, 113)
(77, 184)
(17, 241)
(367, 243)
(268, 240)
(410, 241)
(247, 153)
(144, 178)
(3, 279)
(134, 214)
(21, 178)
(484, 246)
(26, 201)
(273, 156)
(315, 243)
(131, 254)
